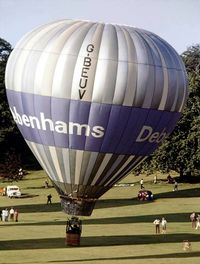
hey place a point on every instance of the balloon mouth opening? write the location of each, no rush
(77, 206)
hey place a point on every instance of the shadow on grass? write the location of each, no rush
(158, 256)
(39, 187)
(56, 207)
(49, 243)
(138, 239)
(35, 208)
(108, 203)
(194, 192)
(171, 217)
(27, 195)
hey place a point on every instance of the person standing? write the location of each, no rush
(197, 221)
(164, 225)
(155, 179)
(193, 219)
(175, 186)
(12, 212)
(3, 214)
(46, 184)
(16, 215)
(141, 184)
(20, 173)
(49, 199)
(156, 222)
(6, 213)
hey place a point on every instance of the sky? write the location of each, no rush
(176, 21)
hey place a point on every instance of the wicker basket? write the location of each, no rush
(72, 239)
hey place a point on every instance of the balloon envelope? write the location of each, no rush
(92, 101)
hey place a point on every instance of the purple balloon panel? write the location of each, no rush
(90, 126)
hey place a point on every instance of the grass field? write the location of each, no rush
(120, 229)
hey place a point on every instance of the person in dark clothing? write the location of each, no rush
(49, 199)
(16, 215)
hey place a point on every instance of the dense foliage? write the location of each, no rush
(6, 123)
(11, 142)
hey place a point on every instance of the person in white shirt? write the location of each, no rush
(141, 184)
(197, 222)
(164, 225)
(193, 219)
(12, 214)
(5, 215)
(156, 222)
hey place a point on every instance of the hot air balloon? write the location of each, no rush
(92, 101)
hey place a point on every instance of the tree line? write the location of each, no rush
(179, 152)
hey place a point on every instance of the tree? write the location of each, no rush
(11, 140)
(12, 166)
(6, 123)
(181, 151)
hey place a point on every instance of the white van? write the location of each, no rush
(13, 191)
